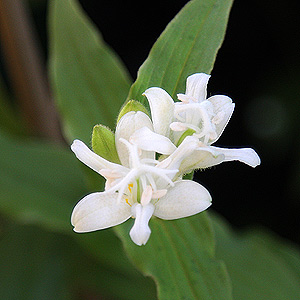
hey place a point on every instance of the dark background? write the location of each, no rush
(258, 67)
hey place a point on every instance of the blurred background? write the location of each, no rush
(257, 66)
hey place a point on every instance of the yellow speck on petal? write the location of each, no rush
(127, 201)
(130, 186)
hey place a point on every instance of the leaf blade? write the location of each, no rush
(87, 77)
(185, 47)
(260, 264)
(180, 256)
(34, 180)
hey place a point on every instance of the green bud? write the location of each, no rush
(103, 143)
(132, 105)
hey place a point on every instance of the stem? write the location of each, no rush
(26, 71)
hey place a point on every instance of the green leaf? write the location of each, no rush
(39, 182)
(89, 81)
(39, 264)
(122, 279)
(103, 143)
(188, 45)
(32, 268)
(260, 264)
(180, 257)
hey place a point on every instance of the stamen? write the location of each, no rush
(159, 193)
(133, 152)
(162, 173)
(146, 195)
(151, 181)
(208, 128)
(143, 181)
(123, 184)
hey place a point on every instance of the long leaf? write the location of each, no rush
(89, 81)
(40, 264)
(121, 278)
(188, 45)
(260, 264)
(39, 182)
(31, 264)
(180, 257)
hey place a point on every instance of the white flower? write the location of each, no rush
(204, 118)
(140, 186)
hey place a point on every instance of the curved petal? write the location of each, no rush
(99, 211)
(162, 109)
(196, 85)
(202, 157)
(245, 155)
(223, 108)
(140, 231)
(185, 199)
(148, 140)
(185, 149)
(91, 159)
(127, 125)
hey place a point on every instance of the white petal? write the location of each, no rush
(99, 211)
(202, 157)
(196, 85)
(127, 125)
(223, 107)
(140, 231)
(245, 155)
(185, 199)
(186, 148)
(91, 159)
(162, 109)
(148, 140)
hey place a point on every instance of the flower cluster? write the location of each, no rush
(154, 155)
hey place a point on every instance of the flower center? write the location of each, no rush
(139, 183)
(199, 117)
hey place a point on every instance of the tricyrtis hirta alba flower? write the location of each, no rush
(202, 117)
(141, 186)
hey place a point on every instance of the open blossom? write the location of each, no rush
(141, 186)
(154, 156)
(204, 118)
